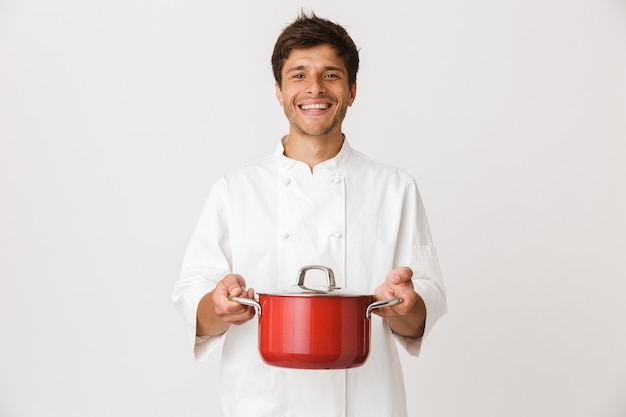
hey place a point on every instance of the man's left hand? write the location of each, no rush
(408, 317)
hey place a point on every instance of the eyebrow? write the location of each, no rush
(304, 67)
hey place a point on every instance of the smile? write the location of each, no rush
(314, 106)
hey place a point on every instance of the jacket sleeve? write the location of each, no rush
(206, 261)
(415, 244)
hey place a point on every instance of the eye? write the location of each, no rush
(331, 75)
(298, 76)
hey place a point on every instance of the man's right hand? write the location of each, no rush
(216, 312)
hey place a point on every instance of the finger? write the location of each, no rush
(241, 315)
(236, 311)
(242, 292)
(241, 318)
(244, 320)
(386, 312)
(400, 276)
(235, 284)
(237, 291)
(388, 295)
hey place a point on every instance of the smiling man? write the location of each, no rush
(315, 201)
(315, 94)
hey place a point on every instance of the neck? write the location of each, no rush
(313, 150)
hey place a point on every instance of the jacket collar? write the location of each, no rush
(330, 167)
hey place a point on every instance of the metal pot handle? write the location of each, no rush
(381, 304)
(329, 275)
(248, 302)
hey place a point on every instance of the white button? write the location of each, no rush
(337, 235)
(335, 180)
(285, 235)
(286, 181)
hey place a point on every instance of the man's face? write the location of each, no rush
(314, 93)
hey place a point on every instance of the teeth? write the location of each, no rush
(314, 106)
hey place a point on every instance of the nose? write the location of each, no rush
(316, 86)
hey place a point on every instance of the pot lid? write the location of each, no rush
(315, 290)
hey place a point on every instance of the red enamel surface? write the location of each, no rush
(319, 332)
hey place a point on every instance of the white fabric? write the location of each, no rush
(265, 221)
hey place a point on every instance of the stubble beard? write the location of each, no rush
(304, 131)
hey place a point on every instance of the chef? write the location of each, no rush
(314, 201)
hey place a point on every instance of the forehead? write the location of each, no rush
(320, 55)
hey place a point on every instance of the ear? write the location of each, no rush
(352, 94)
(279, 95)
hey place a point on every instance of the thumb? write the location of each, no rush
(401, 275)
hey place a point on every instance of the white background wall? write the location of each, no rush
(116, 117)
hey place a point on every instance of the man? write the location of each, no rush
(314, 201)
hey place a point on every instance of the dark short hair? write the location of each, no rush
(308, 31)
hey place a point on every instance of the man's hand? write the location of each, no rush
(216, 312)
(407, 318)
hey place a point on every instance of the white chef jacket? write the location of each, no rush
(265, 221)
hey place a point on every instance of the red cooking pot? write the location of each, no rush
(313, 328)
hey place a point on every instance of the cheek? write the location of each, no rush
(279, 96)
(285, 98)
